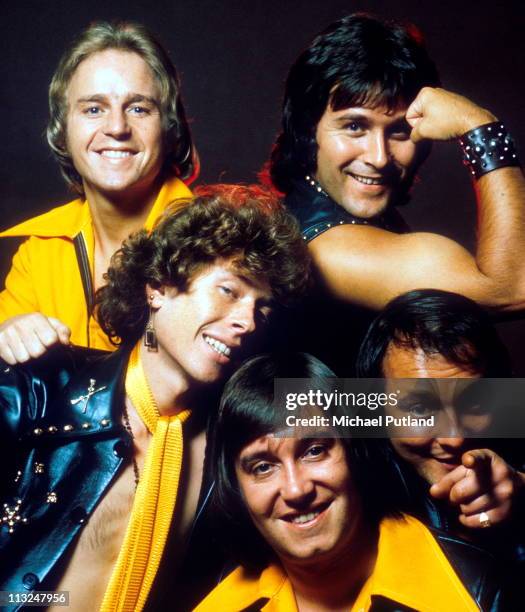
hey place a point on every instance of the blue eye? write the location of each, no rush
(92, 110)
(139, 110)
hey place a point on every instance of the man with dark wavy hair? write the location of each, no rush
(361, 106)
(118, 129)
(105, 500)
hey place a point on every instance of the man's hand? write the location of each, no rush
(438, 114)
(27, 336)
(483, 483)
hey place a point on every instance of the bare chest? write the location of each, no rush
(91, 564)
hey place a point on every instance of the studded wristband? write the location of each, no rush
(488, 148)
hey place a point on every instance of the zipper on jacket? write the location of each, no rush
(85, 275)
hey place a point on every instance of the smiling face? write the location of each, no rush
(454, 404)
(300, 496)
(365, 157)
(203, 331)
(114, 125)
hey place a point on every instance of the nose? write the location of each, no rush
(243, 317)
(377, 152)
(116, 124)
(452, 445)
(450, 430)
(297, 487)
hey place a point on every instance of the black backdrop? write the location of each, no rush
(233, 57)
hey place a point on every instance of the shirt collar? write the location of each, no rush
(70, 219)
(411, 569)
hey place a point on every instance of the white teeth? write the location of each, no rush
(218, 346)
(304, 518)
(366, 180)
(115, 154)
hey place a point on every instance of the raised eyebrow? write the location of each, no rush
(353, 116)
(141, 98)
(93, 98)
(400, 123)
(306, 443)
(252, 458)
(132, 99)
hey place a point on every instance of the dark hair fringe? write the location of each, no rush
(247, 412)
(438, 322)
(359, 60)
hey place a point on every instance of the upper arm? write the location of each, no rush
(370, 266)
(19, 297)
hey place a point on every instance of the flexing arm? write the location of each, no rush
(370, 266)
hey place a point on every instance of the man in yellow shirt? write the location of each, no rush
(118, 130)
(317, 525)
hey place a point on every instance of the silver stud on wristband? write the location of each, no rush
(488, 148)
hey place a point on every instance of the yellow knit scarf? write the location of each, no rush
(155, 498)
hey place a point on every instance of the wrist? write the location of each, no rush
(477, 119)
(487, 148)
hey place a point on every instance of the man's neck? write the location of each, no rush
(172, 391)
(115, 216)
(335, 585)
(114, 219)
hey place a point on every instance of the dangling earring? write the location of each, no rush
(150, 335)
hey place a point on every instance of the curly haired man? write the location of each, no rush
(108, 452)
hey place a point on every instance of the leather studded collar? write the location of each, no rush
(317, 212)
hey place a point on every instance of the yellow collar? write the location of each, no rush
(70, 219)
(411, 569)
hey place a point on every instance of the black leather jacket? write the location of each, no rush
(316, 212)
(63, 444)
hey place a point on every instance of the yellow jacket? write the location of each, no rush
(411, 570)
(45, 275)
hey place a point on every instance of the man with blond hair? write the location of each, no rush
(118, 129)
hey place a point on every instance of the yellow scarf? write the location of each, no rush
(155, 498)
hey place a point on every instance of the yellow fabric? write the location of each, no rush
(411, 569)
(45, 277)
(155, 499)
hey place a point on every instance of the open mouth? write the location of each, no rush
(218, 346)
(306, 517)
(116, 153)
(451, 462)
(367, 180)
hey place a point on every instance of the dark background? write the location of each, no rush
(233, 57)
